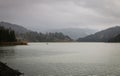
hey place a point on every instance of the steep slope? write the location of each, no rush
(102, 36)
(16, 28)
(115, 39)
(32, 36)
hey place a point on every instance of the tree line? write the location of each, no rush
(7, 35)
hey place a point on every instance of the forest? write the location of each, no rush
(7, 35)
(47, 37)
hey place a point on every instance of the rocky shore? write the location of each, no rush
(7, 71)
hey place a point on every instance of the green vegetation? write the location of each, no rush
(7, 35)
(23, 34)
(48, 37)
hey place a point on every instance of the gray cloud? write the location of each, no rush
(50, 14)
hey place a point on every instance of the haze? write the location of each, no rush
(58, 14)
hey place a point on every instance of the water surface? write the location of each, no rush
(64, 59)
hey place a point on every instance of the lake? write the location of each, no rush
(64, 59)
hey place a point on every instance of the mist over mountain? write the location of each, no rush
(33, 36)
(102, 36)
(15, 27)
(67, 34)
(74, 33)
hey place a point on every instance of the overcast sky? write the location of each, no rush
(51, 14)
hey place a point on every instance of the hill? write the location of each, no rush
(74, 33)
(16, 28)
(115, 39)
(102, 36)
(33, 36)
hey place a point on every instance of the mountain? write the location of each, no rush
(115, 39)
(33, 36)
(74, 33)
(16, 28)
(102, 36)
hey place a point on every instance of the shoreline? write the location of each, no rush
(5, 70)
(13, 43)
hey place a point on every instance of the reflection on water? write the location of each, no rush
(64, 59)
(6, 52)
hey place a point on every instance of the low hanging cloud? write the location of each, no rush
(54, 14)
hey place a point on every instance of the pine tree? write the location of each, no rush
(7, 35)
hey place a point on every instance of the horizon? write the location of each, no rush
(49, 30)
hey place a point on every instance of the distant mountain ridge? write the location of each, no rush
(108, 35)
(102, 36)
(33, 36)
(74, 33)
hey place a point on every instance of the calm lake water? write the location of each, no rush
(64, 59)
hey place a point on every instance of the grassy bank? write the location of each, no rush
(12, 43)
